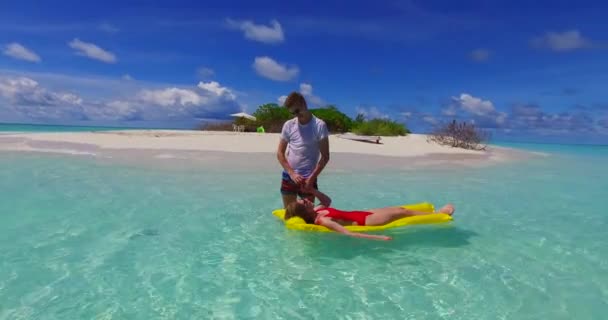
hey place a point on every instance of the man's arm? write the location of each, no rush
(285, 164)
(283, 142)
(281, 156)
(324, 149)
(324, 199)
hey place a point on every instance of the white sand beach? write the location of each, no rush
(223, 148)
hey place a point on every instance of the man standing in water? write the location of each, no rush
(305, 138)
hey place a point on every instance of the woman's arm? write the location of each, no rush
(329, 223)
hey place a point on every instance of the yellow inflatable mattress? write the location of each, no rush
(297, 223)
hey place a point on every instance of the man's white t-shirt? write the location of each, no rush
(303, 143)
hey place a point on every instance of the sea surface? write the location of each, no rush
(81, 239)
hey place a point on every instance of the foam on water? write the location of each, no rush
(82, 240)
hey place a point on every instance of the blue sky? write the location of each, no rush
(534, 71)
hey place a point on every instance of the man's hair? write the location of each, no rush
(295, 99)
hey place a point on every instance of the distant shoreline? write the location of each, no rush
(220, 149)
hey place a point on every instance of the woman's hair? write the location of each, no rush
(296, 209)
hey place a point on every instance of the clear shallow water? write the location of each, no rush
(80, 240)
(561, 149)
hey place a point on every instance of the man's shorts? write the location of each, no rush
(288, 186)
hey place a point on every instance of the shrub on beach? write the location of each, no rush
(378, 127)
(460, 135)
(271, 116)
(336, 120)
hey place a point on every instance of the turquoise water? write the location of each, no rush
(85, 240)
(560, 149)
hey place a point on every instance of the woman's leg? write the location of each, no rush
(383, 216)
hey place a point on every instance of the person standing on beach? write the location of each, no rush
(303, 150)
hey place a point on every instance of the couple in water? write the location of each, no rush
(303, 152)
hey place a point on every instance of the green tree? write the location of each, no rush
(271, 112)
(271, 116)
(380, 127)
(336, 120)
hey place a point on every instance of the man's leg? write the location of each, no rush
(289, 190)
(309, 196)
(289, 198)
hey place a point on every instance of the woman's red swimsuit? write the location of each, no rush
(356, 216)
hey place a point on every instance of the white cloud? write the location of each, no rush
(533, 117)
(564, 41)
(259, 32)
(207, 99)
(115, 110)
(306, 91)
(118, 104)
(501, 118)
(22, 96)
(17, 51)
(269, 68)
(482, 112)
(474, 105)
(216, 89)
(170, 97)
(281, 100)
(205, 72)
(211, 98)
(407, 114)
(26, 97)
(40, 113)
(24, 91)
(121, 110)
(127, 77)
(92, 51)
(480, 55)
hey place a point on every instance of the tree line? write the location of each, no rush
(271, 117)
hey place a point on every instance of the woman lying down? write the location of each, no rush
(336, 219)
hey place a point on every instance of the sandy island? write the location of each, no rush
(177, 148)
